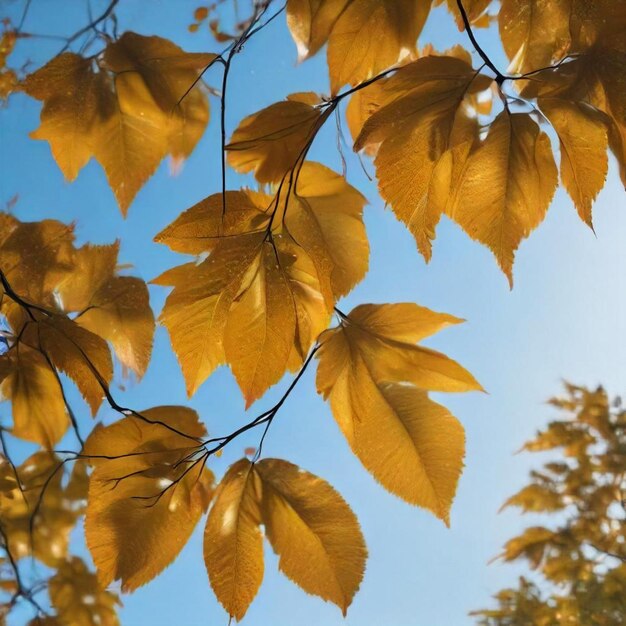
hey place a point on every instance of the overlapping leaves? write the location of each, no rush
(308, 524)
(275, 267)
(65, 304)
(579, 550)
(376, 380)
(128, 109)
(147, 492)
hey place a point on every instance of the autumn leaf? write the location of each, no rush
(309, 525)
(269, 284)
(313, 531)
(113, 307)
(583, 144)
(477, 12)
(412, 446)
(75, 351)
(273, 141)
(506, 186)
(146, 494)
(39, 412)
(584, 103)
(34, 257)
(534, 33)
(78, 599)
(233, 544)
(64, 306)
(138, 107)
(364, 36)
(422, 113)
(39, 513)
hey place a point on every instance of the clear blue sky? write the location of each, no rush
(565, 318)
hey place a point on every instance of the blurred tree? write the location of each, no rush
(580, 558)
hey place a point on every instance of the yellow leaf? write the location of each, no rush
(38, 521)
(584, 101)
(35, 256)
(583, 140)
(506, 186)
(531, 544)
(72, 112)
(313, 531)
(120, 313)
(77, 352)
(146, 494)
(534, 33)
(269, 285)
(114, 307)
(78, 599)
(364, 36)
(129, 114)
(423, 112)
(412, 446)
(274, 140)
(39, 412)
(233, 544)
(311, 21)
(476, 11)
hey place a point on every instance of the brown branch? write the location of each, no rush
(500, 77)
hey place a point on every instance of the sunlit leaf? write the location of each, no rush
(146, 494)
(314, 532)
(233, 544)
(269, 284)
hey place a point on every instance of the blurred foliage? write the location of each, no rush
(579, 556)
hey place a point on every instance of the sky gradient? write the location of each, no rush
(565, 318)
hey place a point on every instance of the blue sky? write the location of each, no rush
(565, 318)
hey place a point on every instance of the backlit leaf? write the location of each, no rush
(146, 493)
(272, 141)
(422, 113)
(233, 544)
(39, 514)
(137, 108)
(269, 284)
(364, 36)
(506, 186)
(313, 530)
(78, 599)
(412, 446)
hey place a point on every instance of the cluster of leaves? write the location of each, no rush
(581, 558)
(71, 306)
(128, 107)
(8, 76)
(270, 267)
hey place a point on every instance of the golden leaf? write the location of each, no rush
(38, 517)
(313, 531)
(411, 445)
(534, 33)
(531, 544)
(233, 544)
(273, 141)
(146, 494)
(39, 412)
(422, 113)
(364, 36)
(128, 115)
(269, 285)
(506, 186)
(583, 140)
(77, 352)
(35, 256)
(78, 599)
(115, 308)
